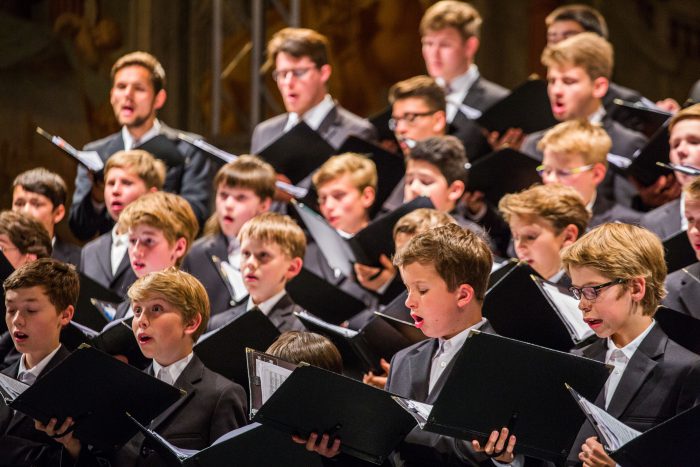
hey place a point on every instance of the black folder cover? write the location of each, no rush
(86, 313)
(650, 120)
(117, 338)
(377, 238)
(679, 251)
(97, 390)
(526, 107)
(5, 270)
(670, 443)
(223, 350)
(644, 166)
(501, 172)
(163, 148)
(298, 152)
(317, 400)
(518, 309)
(323, 299)
(520, 385)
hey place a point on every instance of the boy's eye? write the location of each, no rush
(157, 308)
(137, 310)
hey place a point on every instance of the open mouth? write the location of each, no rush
(144, 339)
(138, 265)
(19, 336)
(593, 323)
(417, 320)
(228, 219)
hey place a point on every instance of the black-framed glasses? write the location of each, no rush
(590, 292)
(409, 117)
(296, 72)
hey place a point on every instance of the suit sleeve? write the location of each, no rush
(230, 411)
(196, 182)
(83, 220)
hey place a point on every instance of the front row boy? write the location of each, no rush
(618, 272)
(272, 248)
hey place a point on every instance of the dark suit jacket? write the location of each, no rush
(606, 210)
(482, 95)
(198, 262)
(335, 128)
(212, 407)
(624, 143)
(684, 291)
(661, 380)
(191, 178)
(665, 220)
(96, 263)
(66, 252)
(21, 443)
(281, 315)
(409, 377)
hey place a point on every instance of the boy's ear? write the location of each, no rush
(326, 71)
(193, 325)
(367, 197)
(294, 268)
(180, 248)
(67, 315)
(265, 205)
(455, 190)
(600, 87)
(599, 170)
(160, 99)
(638, 287)
(465, 294)
(153, 189)
(472, 47)
(570, 235)
(59, 213)
(439, 122)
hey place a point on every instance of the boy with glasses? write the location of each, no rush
(300, 58)
(617, 272)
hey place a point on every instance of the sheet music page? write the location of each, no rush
(420, 411)
(345, 332)
(568, 311)
(181, 453)
(236, 280)
(91, 159)
(271, 377)
(615, 433)
(11, 388)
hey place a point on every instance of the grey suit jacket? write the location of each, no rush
(482, 95)
(665, 220)
(605, 210)
(684, 291)
(335, 128)
(96, 263)
(66, 252)
(409, 377)
(198, 262)
(191, 178)
(661, 380)
(281, 315)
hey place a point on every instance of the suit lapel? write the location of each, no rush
(638, 369)
(596, 351)
(190, 376)
(329, 125)
(114, 145)
(218, 247)
(419, 369)
(281, 312)
(689, 292)
(104, 257)
(475, 96)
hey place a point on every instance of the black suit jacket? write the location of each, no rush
(198, 262)
(96, 263)
(665, 220)
(281, 315)
(606, 210)
(335, 128)
(616, 91)
(409, 377)
(212, 407)
(66, 252)
(190, 178)
(661, 380)
(21, 443)
(482, 95)
(684, 291)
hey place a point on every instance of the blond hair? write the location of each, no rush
(361, 169)
(458, 255)
(692, 191)
(421, 220)
(622, 251)
(145, 60)
(689, 113)
(557, 204)
(169, 213)
(452, 14)
(586, 50)
(580, 137)
(271, 227)
(140, 163)
(180, 289)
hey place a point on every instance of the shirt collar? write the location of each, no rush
(589, 206)
(456, 342)
(630, 348)
(39, 367)
(684, 221)
(462, 83)
(555, 278)
(150, 134)
(118, 239)
(174, 369)
(597, 116)
(314, 116)
(266, 306)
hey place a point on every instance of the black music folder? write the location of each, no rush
(526, 107)
(298, 152)
(73, 335)
(315, 400)
(497, 382)
(361, 350)
(323, 299)
(254, 445)
(679, 253)
(380, 120)
(224, 350)
(90, 159)
(86, 312)
(163, 148)
(681, 328)
(644, 167)
(97, 391)
(650, 119)
(525, 307)
(117, 338)
(5, 270)
(502, 172)
(377, 237)
(390, 167)
(670, 443)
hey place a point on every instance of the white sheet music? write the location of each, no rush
(615, 433)
(271, 377)
(10, 388)
(236, 280)
(568, 311)
(420, 411)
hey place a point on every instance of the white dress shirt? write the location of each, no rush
(447, 349)
(314, 116)
(169, 374)
(28, 376)
(118, 250)
(267, 305)
(130, 143)
(457, 89)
